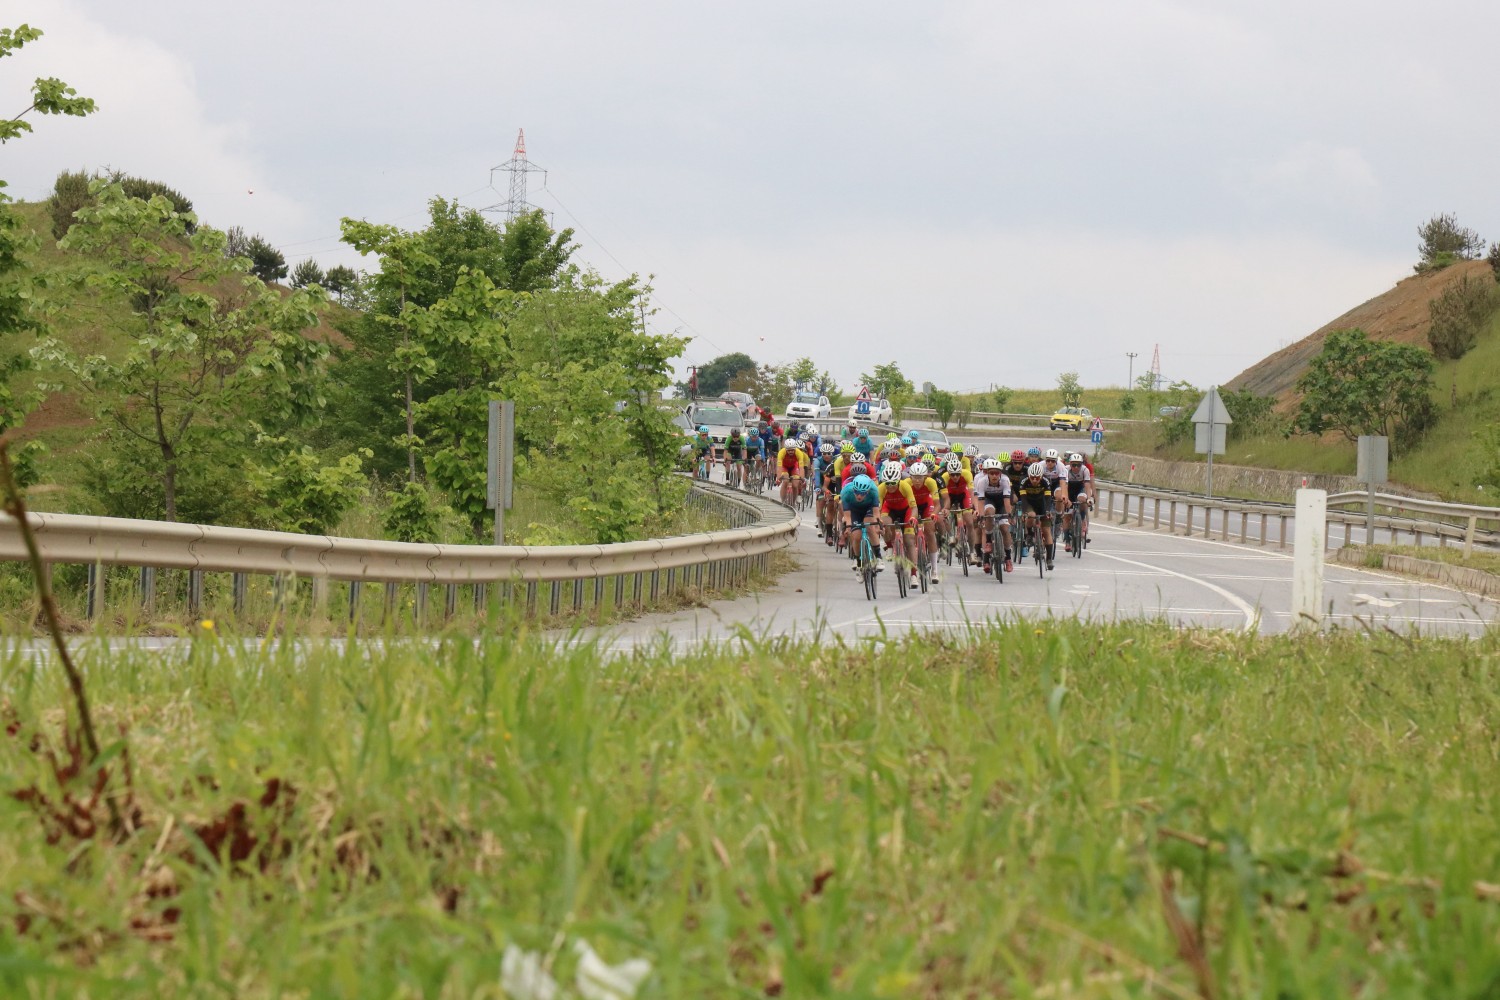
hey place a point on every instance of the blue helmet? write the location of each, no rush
(862, 485)
(911, 437)
(703, 429)
(1033, 452)
(753, 432)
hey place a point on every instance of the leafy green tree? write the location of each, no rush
(1444, 242)
(771, 385)
(266, 262)
(1070, 388)
(714, 377)
(943, 404)
(1459, 314)
(415, 514)
(306, 273)
(19, 285)
(1002, 396)
(297, 491)
(1494, 259)
(209, 349)
(888, 380)
(1250, 414)
(340, 279)
(1127, 405)
(49, 96)
(1361, 386)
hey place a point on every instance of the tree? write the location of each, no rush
(1361, 386)
(1494, 259)
(295, 491)
(1444, 241)
(714, 377)
(49, 96)
(770, 385)
(236, 242)
(888, 380)
(943, 404)
(1127, 404)
(340, 279)
(209, 349)
(306, 273)
(1459, 314)
(1002, 398)
(266, 262)
(19, 285)
(1070, 388)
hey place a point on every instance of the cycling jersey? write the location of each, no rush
(960, 487)
(791, 461)
(925, 492)
(1078, 481)
(994, 493)
(703, 443)
(897, 500)
(858, 509)
(1055, 474)
(1034, 495)
(852, 469)
(736, 447)
(755, 447)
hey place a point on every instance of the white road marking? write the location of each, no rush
(1244, 609)
(1379, 602)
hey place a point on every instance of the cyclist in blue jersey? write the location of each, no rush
(860, 501)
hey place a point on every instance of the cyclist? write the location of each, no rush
(1080, 485)
(822, 474)
(958, 491)
(1015, 469)
(755, 449)
(848, 433)
(899, 507)
(703, 450)
(734, 458)
(1053, 468)
(855, 464)
(858, 500)
(967, 460)
(791, 466)
(1034, 500)
(925, 490)
(862, 442)
(994, 498)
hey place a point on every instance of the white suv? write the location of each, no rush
(809, 406)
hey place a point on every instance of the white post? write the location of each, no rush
(1307, 559)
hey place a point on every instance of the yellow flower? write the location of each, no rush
(207, 624)
(1041, 631)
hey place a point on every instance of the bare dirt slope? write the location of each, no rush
(1399, 314)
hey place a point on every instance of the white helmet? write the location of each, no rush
(919, 470)
(1036, 469)
(825, 449)
(954, 464)
(890, 472)
(913, 451)
(1052, 454)
(990, 465)
(1075, 457)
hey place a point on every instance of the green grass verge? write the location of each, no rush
(1046, 809)
(1481, 559)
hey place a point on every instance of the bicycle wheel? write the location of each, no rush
(1079, 527)
(924, 562)
(867, 567)
(901, 570)
(962, 550)
(997, 551)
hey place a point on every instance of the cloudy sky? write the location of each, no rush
(986, 191)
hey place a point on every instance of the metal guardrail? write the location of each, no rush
(760, 526)
(1003, 418)
(1463, 530)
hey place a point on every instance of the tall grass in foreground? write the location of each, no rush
(1048, 809)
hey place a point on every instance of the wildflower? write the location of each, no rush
(523, 977)
(207, 624)
(598, 980)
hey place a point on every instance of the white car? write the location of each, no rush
(873, 410)
(809, 406)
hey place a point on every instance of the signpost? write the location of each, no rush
(500, 484)
(1372, 468)
(1209, 423)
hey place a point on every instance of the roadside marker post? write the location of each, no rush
(1307, 559)
(1209, 422)
(1372, 468)
(500, 487)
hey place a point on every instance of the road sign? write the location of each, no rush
(1097, 437)
(1373, 465)
(1212, 410)
(862, 407)
(1201, 442)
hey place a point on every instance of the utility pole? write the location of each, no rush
(1130, 382)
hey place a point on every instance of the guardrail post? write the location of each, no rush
(390, 598)
(1262, 529)
(1156, 514)
(94, 603)
(195, 592)
(479, 598)
(637, 586)
(421, 613)
(148, 588)
(240, 585)
(1282, 545)
(655, 585)
(1244, 530)
(1172, 516)
(1417, 532)
(1224, 526)
(556, 602)
(450, 601)
(1469, 535)
(320, 594)
(598, 591)
(1140, 513)
(619, 591)
(354, 588)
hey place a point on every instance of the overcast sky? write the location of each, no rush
(986, 191)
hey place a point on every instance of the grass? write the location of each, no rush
(1051, 809)
(1481, 559)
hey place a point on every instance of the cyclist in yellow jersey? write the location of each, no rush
(791, 468)
(898, 506)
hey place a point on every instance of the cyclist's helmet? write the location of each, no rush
(703, 429)
(804, 436)
(958, 448)
(825, 449)
(753, 432)
(1075, 459)
(847, 448)
(1018, 456)
(792, 428)
(1052, 454)
(890, 472)
(911, 437)
(1036, 470)
(929, 458)
(990, 465)
(862, 485)
(955, 464)
(1033, 452)
(913, 451)
(734, 433)
(919, 470)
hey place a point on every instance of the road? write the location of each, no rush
(1126, 572)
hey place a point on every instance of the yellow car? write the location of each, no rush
(1071, 418)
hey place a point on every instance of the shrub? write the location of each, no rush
(1459, 314)
(70, 192)
(1444, 241)
(307, 273)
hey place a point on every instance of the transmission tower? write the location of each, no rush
(1156, 368)
(518, 167)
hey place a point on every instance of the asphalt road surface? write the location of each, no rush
(1126, 572)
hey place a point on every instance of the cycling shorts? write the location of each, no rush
(961, 501)
(926, 510)
(1035, 504)
(858, 513)
(1075, 490)
(903, 517)
(995, 500)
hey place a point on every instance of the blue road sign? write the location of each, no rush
(1097, 437)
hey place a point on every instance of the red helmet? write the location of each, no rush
(1018, 455)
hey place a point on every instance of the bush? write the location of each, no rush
(1494, 259)
(1459, 314)
(1444, 242)
(415, 515)
(266, 262)
(943, 403)
(307, 273)
(70, 192)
